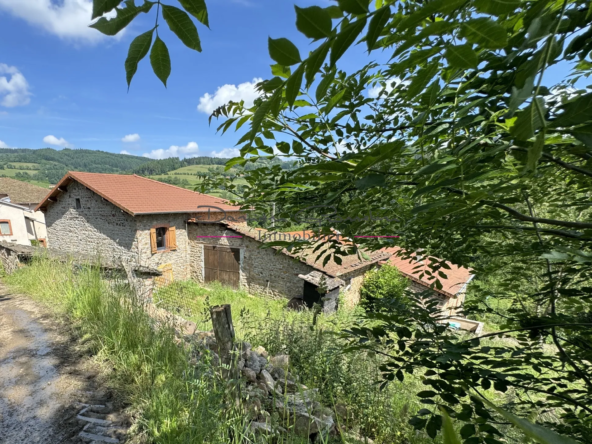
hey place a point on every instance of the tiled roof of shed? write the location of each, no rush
(139, 195)
(456, 278)
(348, 263)
(21, 192)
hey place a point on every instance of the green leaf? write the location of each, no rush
(345, 39)
(272, 84)
(182, 25)
(370, 181)
(334, 12)
(281, 71)
(485, 32)
(519, 96)
(293, 85)
(376, 26)
(461, 56)
(198, 9)
(535, 152)
(262, 110)
(449, 435)
(334, 101)
(497, 7)
(467, 431)
(433, 426)
(124, 17)
(430, 8)
(101, 7)
(421, 80)
(137, 51)
(283, 51)
(540, 434)
(160, 60)
(529, 120)
(354, 6)
(314, 22)
(584, 135)
(576, 112)
(315, 62)
(324, 85)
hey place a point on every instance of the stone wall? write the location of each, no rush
(179, 258)
(97, 228)
(264, 271)
(353, 281)
(100, 228)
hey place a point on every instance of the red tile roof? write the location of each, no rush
(456, 278)
(348, 263)
(139, 195)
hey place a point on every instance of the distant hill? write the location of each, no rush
(47, 165)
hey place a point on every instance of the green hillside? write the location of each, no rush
(47, 166)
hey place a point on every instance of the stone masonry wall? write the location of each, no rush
(351, 297)
(264, 271)
(178, 258)
(98, 228)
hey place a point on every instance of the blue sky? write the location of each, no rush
(63, 84)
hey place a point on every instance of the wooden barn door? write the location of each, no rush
(222, 264)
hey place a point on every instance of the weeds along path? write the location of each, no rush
(42, 376)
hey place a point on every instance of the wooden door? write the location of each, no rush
(222, 264)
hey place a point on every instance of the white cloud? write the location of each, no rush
(3, 145)
(67, 19)
(227, 153)
(228, 93)
(53, 140)
(124, 152)
(14, 91)
(131, 138)
(388, 87)
(189, 150)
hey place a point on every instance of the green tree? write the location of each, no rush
(459, 144)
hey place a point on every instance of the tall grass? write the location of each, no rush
(179, 400)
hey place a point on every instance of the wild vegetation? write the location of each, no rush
(457, 141)
(178, 399)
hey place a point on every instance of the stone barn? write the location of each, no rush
(187, 235)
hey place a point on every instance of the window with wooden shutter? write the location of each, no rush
(172, 238)
(153, 240)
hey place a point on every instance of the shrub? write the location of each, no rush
(383, 286)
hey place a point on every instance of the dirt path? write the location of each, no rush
(43, 376)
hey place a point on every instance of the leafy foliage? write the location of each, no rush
(381, 286)
(459, 144)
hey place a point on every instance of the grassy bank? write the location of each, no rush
(177, 402)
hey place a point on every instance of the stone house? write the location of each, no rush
(185, 234)
(19, 223)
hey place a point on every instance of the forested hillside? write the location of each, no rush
(48, 165)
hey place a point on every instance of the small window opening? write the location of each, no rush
(78, 204)
(161, 238)
(5, 229)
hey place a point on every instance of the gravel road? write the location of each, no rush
(43, 375)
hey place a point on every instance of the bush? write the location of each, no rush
(384, 286)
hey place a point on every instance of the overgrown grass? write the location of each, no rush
(179, 401)
(347, 381)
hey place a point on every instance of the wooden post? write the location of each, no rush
(224, 333)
